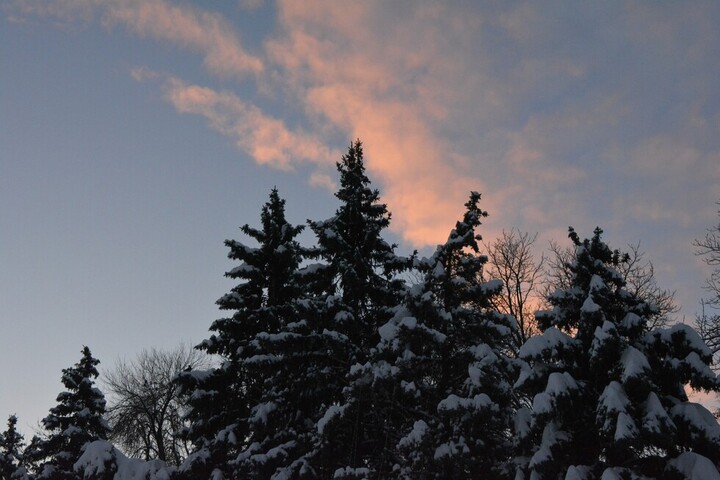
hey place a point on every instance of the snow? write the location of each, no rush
(276, 337)
(578, 472)
(542, 403)
(612, 400)
(625, 428)
(694, 467)
(522, 422)
(261, 411)
(597, 284)
(451, 448)
(408, 322)
(335, 335)
(699, 419)
(560, 384)
(242, 269)
(655, 415)
(415, 436)
(100, 457)
(589, 306)
(454, 402)
(492, 285)
(360, 472)
(634, 363)
(601, 335)
(547, 342)
(344, 316)
(279, 451)
(439, 270)
(691, 337)
(383, 369)
(550, 437)
(388, 331)
(330, 413)
(701, 368)
(410, 387)
(631, 320)
(611, 474)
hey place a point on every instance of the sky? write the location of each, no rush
(136, 136)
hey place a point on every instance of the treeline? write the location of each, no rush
(346, 360)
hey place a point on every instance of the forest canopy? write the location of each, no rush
(347, 360)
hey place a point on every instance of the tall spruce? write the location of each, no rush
(229, 403)
(360, 266)
(447, 348)
(76, 420)
(11, 457)
(354, 290)
(608, 396)
(469, 435)
(433, 400)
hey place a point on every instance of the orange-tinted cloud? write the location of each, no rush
(452, 98)
(376, 89)
(267, 140)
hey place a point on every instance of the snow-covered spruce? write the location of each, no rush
(11, 456)
(235, 409)
(76, 420)
(433, 395)
(608, 398)
(353, 291)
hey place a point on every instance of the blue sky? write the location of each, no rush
(138, 135)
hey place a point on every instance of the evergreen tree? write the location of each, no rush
(360, 265)
(11, 458)
(229, 404)
(608, 396)
(455, 364)
(353, 292)
(434, 397)
(76, 420)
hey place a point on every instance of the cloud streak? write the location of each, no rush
(207, 33)
(267, 140)
(558, 115)
(185, 26)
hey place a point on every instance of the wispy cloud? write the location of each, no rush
(267, 140)
(559, 115)
(323, 180)
(207, 33)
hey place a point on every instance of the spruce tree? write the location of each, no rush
(11, 458)
(454, 365)
(469, 435)
(229, 404)
(354, 290)
(434, 398)
(76, 420)
(608, 396)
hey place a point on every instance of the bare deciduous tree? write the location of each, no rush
(145, 411)
(511, 259)
(638, 273)
(708, 321)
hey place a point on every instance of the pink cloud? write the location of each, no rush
(401, 80)
(439, 109)
(267, 140)
(377, 89)
(353, 67)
